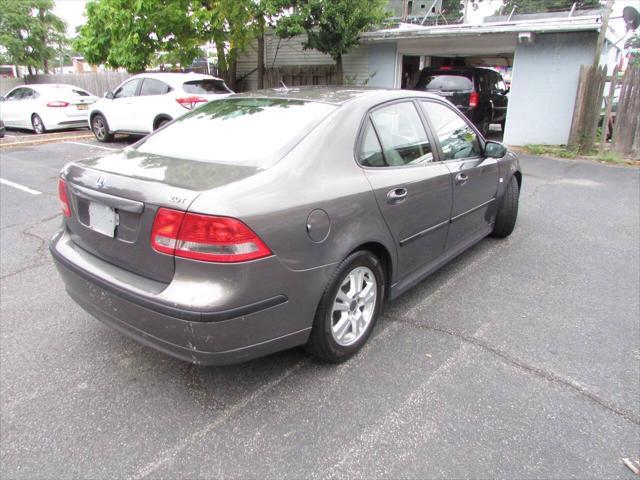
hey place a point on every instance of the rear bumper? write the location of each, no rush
(222, 336)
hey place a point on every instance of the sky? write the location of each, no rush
(71, 11)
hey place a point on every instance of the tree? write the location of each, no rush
(31, 33)
(633, 45)
(267, 13)
(332, 27)
(537, 6)
(129, 33)
(229, 24)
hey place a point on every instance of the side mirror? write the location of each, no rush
(494, 149)
(109, 95)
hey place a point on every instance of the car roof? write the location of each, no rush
(175, 77)
(335, 95)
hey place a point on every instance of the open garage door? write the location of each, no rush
(483, 97)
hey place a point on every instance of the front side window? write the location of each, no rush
(457, 138)
(16, 94)
(127, 90)
(238, 131)
(151, 86)
(404, 140)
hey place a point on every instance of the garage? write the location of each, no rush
(538, 58)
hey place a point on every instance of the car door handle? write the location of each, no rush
(397, 195)
(461, 178)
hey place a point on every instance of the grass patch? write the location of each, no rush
(569, 151)
(558, 151)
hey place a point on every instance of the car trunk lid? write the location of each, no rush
(114, 201)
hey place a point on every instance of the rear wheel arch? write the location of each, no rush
(383, 254)
(159, 119)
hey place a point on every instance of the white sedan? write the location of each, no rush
(42, 107)
(145, 102)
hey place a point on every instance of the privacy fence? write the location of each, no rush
(95, 82)
(626, 129)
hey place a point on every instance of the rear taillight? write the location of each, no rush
(64, 200)
(190, 102)
(58, 104)
(474, 99)
(205, 237)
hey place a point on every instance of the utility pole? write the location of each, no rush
(465, 14)
(602, 36)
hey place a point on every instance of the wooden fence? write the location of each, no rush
(626, 129)
(97, 83)
(304, 75)
(586, 112)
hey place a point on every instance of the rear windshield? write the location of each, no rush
(238, 131)
(205, 86)
(447, 83)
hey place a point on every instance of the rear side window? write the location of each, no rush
(151, 86)
(457, 139)
(80, 93)
(404, 140)
(238, 131)
(204, 87)
(447, 83)
(370, 154)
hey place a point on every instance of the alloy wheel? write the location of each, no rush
(99, 128)
(354, 306)
(38, 127)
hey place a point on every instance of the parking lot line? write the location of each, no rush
(19, 187)
(93, 146)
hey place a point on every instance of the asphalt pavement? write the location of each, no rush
(521, 359)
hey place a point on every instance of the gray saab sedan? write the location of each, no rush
(278, 218)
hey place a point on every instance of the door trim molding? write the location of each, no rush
(422, 233)
(477, 207)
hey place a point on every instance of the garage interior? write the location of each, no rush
(495, 51)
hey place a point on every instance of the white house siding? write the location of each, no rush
(544, 84)
(291, 53)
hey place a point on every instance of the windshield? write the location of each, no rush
(238, 131)
(447, 83)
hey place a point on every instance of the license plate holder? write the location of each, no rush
(83, 106)
(102, 219)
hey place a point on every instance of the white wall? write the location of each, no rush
(543, 87)
(290, 52)
(382, 64)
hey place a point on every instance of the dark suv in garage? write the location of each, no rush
(479, 93)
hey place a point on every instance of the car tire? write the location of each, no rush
(38, 124)
(507, 211)
(340, 329)
(100, 128)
